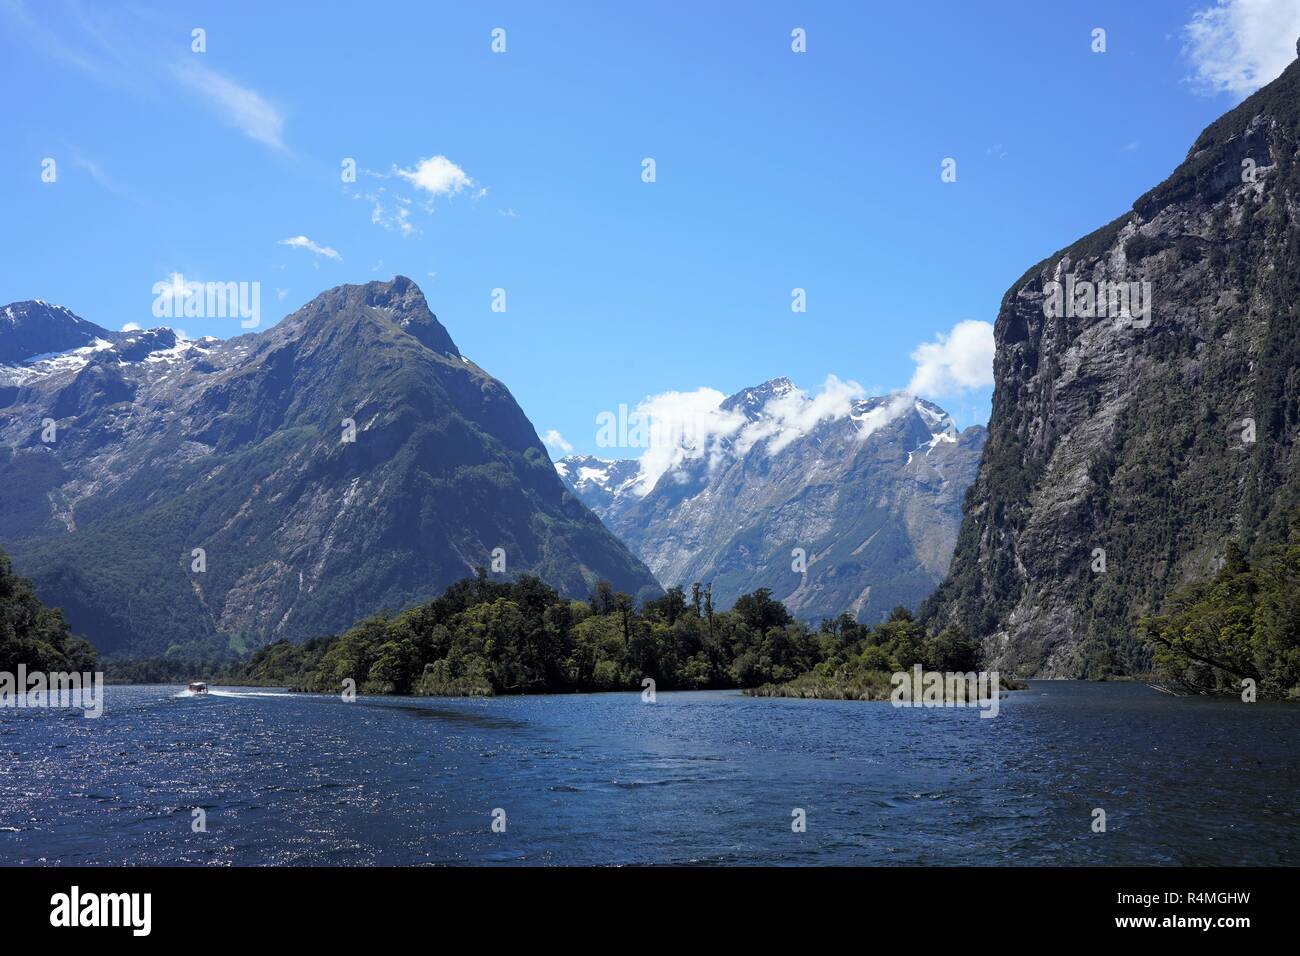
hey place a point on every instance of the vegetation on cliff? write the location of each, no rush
(35, 635)
(1244, 624)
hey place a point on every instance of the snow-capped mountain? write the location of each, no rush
(346, 460)
(34, 329)
(598, 481)
(853, 508)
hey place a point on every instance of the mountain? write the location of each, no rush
(598, 482)
(165, 445)
(36, 328)
(1153, 441)
(872, 494)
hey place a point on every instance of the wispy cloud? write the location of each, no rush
(431, 178)
(242, 107)
(97, 173)
(135, 55)
(392, 213)
(1237, 46)
(302, 242)
(88, 47)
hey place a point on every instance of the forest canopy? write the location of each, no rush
(486, 637)
(33, 634)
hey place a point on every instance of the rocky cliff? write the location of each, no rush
(1146, 408)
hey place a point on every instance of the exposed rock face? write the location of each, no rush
(872, 497)
(1156, 443)
(164, 445)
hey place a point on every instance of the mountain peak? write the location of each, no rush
(751, 400)
(401, 301)
(35, 327)
(336, 464)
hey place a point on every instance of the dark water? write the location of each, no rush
(693, 778)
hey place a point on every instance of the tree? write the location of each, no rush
(602, 599)
(625, 604)
(669, 607)
(952, 650)
(1244, 623)
(760, 612)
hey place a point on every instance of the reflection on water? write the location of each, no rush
(692, 778)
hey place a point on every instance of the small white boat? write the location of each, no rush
(197, 687)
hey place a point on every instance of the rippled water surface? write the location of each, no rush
(693, 778)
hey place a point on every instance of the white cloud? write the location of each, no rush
(131, 327)
(692, 426)
(1237, 46)
(437, 175)
(554, 439)
(432, 177)
(683, 426)
(395, 217)
(302, 242)
(792, 415)
(244, 108)
(957, 361)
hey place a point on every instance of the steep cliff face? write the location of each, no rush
(347, 460)
(1126, 450)
(871, 499)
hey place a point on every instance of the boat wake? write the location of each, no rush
(241, 694)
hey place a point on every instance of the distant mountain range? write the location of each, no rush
(125, 455)
(872, 497)
(1127, 451)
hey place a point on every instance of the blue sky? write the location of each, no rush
(774, 170)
